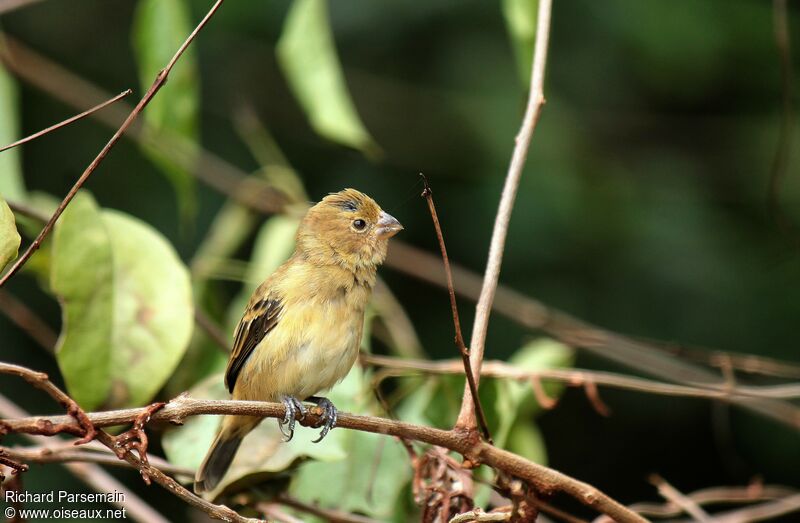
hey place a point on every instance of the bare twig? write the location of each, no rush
(209, 168)
(40, 380)
(543, 479)
(68, 121)
(161, 79)
(92, 475)
(761, 512)
(467, 416)
(579, 377)
(427, 193)
(68, 454)
(533, 314)
(673, 495)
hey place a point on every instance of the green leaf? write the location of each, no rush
(153, 309)
(127, 306)
(307, 55)
(520, 18)
(159, 28)
(9, 237)
(81, 275)
(11, 184)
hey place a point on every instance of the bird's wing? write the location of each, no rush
(259, 318)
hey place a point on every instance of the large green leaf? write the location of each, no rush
(159, 28)
(153, 309)
(127, 306)
(82, 276)
(9, 237)
(307, 55)
(520, 18)
(11, 184)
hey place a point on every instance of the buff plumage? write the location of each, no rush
(302, 328)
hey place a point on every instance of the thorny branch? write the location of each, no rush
(467, 416)
(427, 193)
(161, 79)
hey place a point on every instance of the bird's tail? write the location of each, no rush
(222, 451)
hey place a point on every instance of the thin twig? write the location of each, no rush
(68, 121)
(761, 512)
(161, 79)
(92, 475)
(545, 480)
(467, 416)
(68, 453)
(673, 495)
(578, 377)
(209, 168)
(427, 193)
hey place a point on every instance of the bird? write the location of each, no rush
(301, 330)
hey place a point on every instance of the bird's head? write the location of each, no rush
(347, 228)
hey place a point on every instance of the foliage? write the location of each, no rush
(643, 210)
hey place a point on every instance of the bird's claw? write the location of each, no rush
(295, 410)
(329, 416)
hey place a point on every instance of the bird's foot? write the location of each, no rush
(329, 415)
(295, 410)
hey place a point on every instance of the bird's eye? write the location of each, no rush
(359, 224)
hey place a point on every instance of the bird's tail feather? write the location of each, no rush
(221, 453)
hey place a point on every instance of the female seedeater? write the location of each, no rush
(302, 328)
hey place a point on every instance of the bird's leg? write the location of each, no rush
(294, 410)
(329, 415)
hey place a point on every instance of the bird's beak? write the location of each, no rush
(388, 225)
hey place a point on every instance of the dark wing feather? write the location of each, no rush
(257, 321)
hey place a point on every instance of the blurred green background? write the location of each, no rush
(644, 207)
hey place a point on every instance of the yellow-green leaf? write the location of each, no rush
(11, 184)
(307, 55)
(9, 237)
(127, 306)
(159, 28)
(82, 276)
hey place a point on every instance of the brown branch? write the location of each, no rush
(761, 512)
(427, 193)
(467, 416)
(45, 427)
(92, 475)
(149, 471)
(161, 79)
(68, 121)
(578, 378)
(646, 357)
(81, 425)
(69, 454)
(545, 480)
